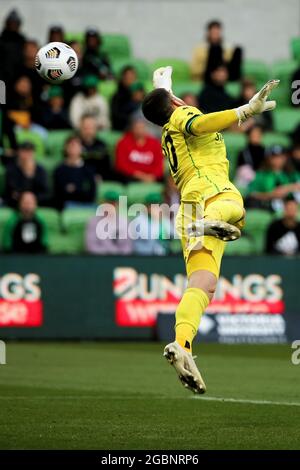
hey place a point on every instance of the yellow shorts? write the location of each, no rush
(202, 252)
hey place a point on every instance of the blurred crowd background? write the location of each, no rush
(67, 148)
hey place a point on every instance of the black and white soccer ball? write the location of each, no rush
(56, 62)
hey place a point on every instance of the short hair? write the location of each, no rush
(157, 106)
(213, 24)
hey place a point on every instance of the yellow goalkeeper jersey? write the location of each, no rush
(191, 156)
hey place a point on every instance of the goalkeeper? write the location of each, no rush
(211, 210)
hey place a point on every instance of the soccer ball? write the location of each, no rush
(56, 62)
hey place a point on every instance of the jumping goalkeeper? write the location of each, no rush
(211, 210)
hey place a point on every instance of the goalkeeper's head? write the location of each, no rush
(158, 106)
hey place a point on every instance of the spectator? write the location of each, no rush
(74, 181)
(89, 101)
(25, 232)
(11, 47)
(74, 84)
(21, 107)
(190, 99)
(56, 33)
(94, 150)
(27, 68)
(209, 56)
(283, 236)
(25, 175)
(121, 105)
(55, 114)
(264, 120)
(107, 234)
(251, 158)
(139, 155)
(273, 183)
(150, 239)
(95, 61)
(214, 97)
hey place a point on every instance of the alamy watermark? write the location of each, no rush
(2, 92)
(296, 354)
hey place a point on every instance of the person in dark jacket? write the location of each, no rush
(25, 175)
(11, 47)
(283, 235)
(74, 181)
(121, 105)
(25, 231)
(95, 61)
(214, 97)
(55, 113)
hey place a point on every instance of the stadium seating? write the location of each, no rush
(256, 70)
(105, 187)
(243, 246)
(74, 221)
(110, 138)
(55, 143)
(78, 37)
(116, 46)
(138, 192)
(295, 48)
(286, 119)
(181, 69)
(52, 219)
(257, 222)
(181, 88)
(141, 67)
(107, 88)
(274, 138)
(235, 142)
(5, 214)
(233, 89)
(35, 139)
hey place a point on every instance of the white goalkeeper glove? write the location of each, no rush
(162, 78)
(258, 104)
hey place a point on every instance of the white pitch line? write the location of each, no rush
(247, 402)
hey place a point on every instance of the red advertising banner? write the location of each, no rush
(140, 297)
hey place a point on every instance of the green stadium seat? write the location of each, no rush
(116, 46)
(257, 222)
(256, 70)
(233, 89)
(74, 221)
(141, 67)
(5, 214)
(111, 139)
(78, 37)
(295, 48)
(60, 243)
(286, 119)
(106, 187)
(235, 142)
(107, 88)
(55, 143)
(35, 139)
(243, 246)
(52, 219)
(2, 180)
(138, 192)
(283, 70)
(274, 138)
(181, 69)
(181, 88)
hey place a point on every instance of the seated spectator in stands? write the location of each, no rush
(251, 158)
(56, 33)
(94, 150)
(214, 97)
(264, 120)
(107, 233)
(121, 104)
(28, 69)
(190, 99)
(74, 84)
(273, 182)
(208, 56)
(21, 108)
(74, 181)
(11, 47)
(25, 175)
(149, 239)
(283, 236)
(25, 231)
(139, 155)
(55, 114)
(7, 136)
(295, 157)
(89, 101)
(95, 60)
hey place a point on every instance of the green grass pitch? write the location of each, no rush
(125, 396)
